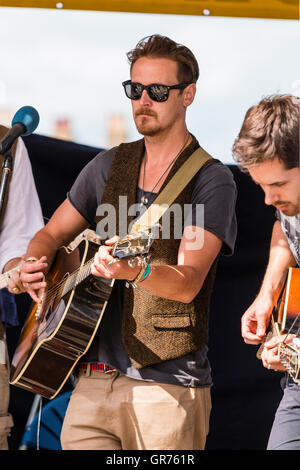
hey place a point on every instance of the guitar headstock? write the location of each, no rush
(136, 244)
(290, 357)
(87, 234)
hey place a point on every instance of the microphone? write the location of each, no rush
(24, 122)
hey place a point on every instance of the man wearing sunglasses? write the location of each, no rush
(145, 381)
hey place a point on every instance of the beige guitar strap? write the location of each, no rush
(165, 199)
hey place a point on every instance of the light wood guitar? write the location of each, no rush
(286, 314)
(59, 330)
(285, 320)
(4, 278)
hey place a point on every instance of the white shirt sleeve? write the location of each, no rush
(23, 216)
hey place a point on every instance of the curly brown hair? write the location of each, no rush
(164, 47)
(270, 129)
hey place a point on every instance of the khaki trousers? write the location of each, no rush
(6, 421)
(108, 411)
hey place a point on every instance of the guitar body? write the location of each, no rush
(57, 333)
(287, 312)
(289, 322)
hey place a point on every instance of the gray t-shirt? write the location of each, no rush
(291, 229)
(216, 189)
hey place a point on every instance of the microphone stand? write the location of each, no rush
(6, 172)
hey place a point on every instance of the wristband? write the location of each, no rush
(139, 276)
(146, 273)
(142, 275)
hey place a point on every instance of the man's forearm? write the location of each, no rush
(42, 244)
(181, 283)
(172, 282)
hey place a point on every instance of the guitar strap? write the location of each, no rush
(164, 200)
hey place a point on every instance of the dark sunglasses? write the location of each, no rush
(156, 91)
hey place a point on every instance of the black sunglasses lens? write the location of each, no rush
(158, 93)
(133, 91)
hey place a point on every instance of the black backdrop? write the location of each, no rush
(245, 395)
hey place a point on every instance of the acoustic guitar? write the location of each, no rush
(285, 320)
(289, 354)
(285, 317)
(59, 330)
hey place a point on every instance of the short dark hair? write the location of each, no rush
(270, 129)
(161, 46)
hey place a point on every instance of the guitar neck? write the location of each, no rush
(130, 246)
(4, 279)
(77, 277)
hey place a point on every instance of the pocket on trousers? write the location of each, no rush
(171, 321)
(6, 423)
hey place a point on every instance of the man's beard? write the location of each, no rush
(143, 125)
(291, 210)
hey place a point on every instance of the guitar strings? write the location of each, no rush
(85, 271)
(290, 329)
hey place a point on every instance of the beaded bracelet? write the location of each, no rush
(146, 273)
(139, 276)
(142, 275)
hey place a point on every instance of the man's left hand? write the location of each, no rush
(105, 265)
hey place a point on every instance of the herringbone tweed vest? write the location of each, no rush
(3, 131)
(155, 329)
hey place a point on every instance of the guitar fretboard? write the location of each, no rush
(77, 277)
(4, 279)
(140, 247)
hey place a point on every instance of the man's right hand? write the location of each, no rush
(32, 275)
(256, 319)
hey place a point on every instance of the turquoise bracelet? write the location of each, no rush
(146, 273)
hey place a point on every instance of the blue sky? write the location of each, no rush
(70, 64)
